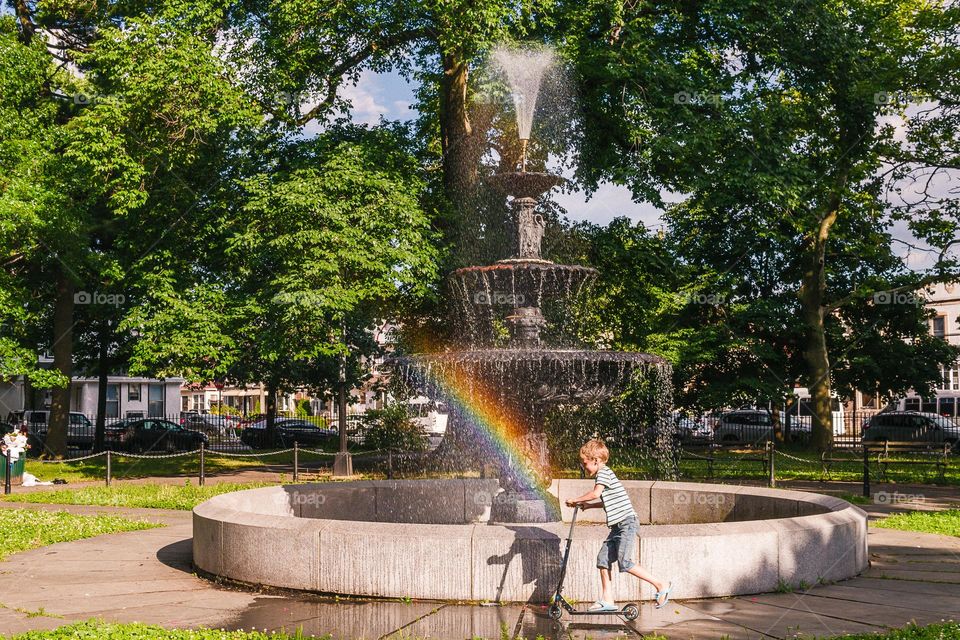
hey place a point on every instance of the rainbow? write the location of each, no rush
(497, 428)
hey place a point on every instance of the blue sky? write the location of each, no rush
(391, 96)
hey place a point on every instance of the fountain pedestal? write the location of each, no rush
(513, 505)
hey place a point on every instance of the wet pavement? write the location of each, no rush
(147, 576)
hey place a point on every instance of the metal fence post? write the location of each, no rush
(866, 471)
(389, 464)
(202, 460)
(108, 467)
(773, 475)
(7, 471)
(296, 461)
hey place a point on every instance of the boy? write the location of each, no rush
(623, 523)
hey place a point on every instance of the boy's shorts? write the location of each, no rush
(618, 547)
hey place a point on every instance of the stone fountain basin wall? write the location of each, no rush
(430, 539)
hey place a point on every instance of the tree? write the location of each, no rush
(770, 119)
(119, 109)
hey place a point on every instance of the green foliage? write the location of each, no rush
(22, 529)
(392, 428)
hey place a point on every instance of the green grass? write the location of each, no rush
(943, 522)
(939, 631)
(732, 464)
(22, 529)
(99, 630)
(149, 496)
(122, 467)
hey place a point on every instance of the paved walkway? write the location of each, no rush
(146, 576)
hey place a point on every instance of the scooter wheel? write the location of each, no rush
(555, 611)
(631, 612)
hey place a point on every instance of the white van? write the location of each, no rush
(429, 415)
(801, 411)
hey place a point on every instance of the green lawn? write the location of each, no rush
(943, 522)
(22, 529)
(732, 464)
(97, 630)
(124, 467)
(149, 496)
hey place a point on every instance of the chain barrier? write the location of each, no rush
(217, 454)
(787, 455)
(92, 455)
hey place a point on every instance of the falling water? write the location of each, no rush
(524, 69)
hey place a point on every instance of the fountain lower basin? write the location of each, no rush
(431, 539)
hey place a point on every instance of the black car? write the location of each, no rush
(286, 431)
(154, 434)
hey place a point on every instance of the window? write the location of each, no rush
(155, 401)
(113, 401)
(133, 392)
(940, 326)
(947, 407)
(911, 404)
(185, 403)
(929, 405)
(869, 401)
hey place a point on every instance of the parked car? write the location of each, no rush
(155, 434)
(286, 432)
(911, 426)
(208, 423)
(80, 430)
(689, 430)
(752, 426)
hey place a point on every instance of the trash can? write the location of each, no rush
(16, 470)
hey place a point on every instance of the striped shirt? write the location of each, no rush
(616, 502)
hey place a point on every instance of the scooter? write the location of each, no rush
(558, 603)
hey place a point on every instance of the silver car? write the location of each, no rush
(911, 426)
(751, 426)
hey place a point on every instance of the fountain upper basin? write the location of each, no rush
(430, 539)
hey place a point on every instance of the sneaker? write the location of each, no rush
(601, 605)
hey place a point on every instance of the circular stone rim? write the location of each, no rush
(253, 537)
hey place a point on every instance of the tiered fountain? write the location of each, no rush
(527, 376)
(455, 539)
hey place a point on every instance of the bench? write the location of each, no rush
(712, 459)
(938, 454)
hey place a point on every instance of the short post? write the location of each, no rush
(773, 475)
(108, 467)
(7, 471)
(296, 461)
(866, 472)
(202, 461)
(389, 464)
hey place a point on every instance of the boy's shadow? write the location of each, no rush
(540, 557)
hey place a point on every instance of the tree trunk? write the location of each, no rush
(56, 443)
(460, 157)
(271, 412)
(812, 294)
(342, 403)
(103, 373)
(776, 408)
